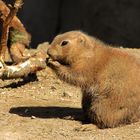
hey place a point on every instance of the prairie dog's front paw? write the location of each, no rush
(53, 64)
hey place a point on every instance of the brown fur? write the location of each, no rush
(109, 77)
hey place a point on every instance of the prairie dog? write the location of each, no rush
(109, 77)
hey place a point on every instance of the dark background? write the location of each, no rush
(115, 22)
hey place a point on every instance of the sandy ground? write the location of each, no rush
(48, 109)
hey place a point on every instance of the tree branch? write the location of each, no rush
(19, 39)
(5, 28)
(15, 23)
(32, 65)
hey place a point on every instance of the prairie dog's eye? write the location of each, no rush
(65, 42)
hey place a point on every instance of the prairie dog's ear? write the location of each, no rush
(81, 39)
(85, 41)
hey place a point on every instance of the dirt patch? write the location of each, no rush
(44, 108)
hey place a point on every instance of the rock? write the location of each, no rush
(33, 117)
(66, 94)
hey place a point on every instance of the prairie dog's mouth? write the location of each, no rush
(48, 59)
(61, 61)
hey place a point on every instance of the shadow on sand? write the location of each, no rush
(49, 112)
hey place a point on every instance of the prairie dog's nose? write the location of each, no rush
(52, 53)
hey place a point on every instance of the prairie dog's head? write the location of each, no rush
(69, 47)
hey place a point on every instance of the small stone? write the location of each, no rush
(26, 110)
(33, 117)
(66, 94)
(53, 88)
